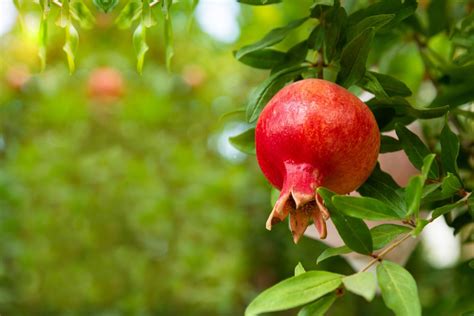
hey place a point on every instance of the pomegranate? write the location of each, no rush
(314, 133)
(105, 85)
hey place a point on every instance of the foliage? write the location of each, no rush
(337, 47)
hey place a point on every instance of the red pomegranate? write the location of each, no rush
(314, 133)
(105, 85)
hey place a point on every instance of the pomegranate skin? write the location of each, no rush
(314, 133)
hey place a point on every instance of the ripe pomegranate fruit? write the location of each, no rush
(314, 133)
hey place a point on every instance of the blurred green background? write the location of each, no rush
(135, 203)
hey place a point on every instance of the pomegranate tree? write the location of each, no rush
(314, 133)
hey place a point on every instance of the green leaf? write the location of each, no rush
(364, 208)
(332, 252)
(426, 167)
(413, 193)
(389, 144)
(362, 283)
(383, 234)
(130, 13)
(148, 17)
(401, 11)
(371, 83)
(295, 55)
(334, 23)
(139, 43)
(168, 30)
(420, 225)
(266, 58)
(245, 142)
(399, 290)
(42, 41)
(295, 291)
(374, 21)
(105, 5)
(353, 231)
(450, 185)
(273, 37)
(391, 86)
(299, 269)
(437, 12)
(320, 307)
(415, 149)
(449, 149)
(64, 16)
(70, 46)
(353, 58)
(81, 13)
(381, 186)
(259, 2)
(437, 212)
(265, 91)
(429, 188)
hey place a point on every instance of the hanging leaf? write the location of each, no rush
(70, 46)
(81, 13)
(105, 5)
(168, 29)
(295, 291)
(148, 16)
(266, 58)
(139, 43)
(42, 41)
(64, 15)
(130, 13)
(399, 289)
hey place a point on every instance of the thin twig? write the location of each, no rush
(380, 256)
(59, 4)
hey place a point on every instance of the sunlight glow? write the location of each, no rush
(8, 16)
(218, 18)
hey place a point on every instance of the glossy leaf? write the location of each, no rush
(381, 186)
(437, 212)
(399, 290)
(295, 291)
(415, 149)
(273, 37)
(245, 141)
(353, 58)
(450, 185)
(332, 252)
(383, 234)
(353, 231)
(263, 59)
(364, 208)
(426, 167)
(413, 193)
(362, 283)
(320, 307)
(389, 144)
(449, 149)
(390, 85)
(374, 21)
(265, 91)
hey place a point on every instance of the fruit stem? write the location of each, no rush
(379, 257)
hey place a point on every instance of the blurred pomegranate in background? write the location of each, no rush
(105, 85)
(17, 77)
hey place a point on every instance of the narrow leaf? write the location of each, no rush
(70, 46)
(139, 43)
(374, 21)
(383, 234)
(332, 252)
(449, 149)
(42, 41)
(415, 149)
(353, 58)
(399, 289)
(362, 283)
(437, 212)
(265, 91)
(263, 59)
(295, 291)
(130, 13)
(273, 37)
(259, 2)
(389, 144)
(413, 193)
(391, 86)
(245, 141)
(364, 208)
(320, 307)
